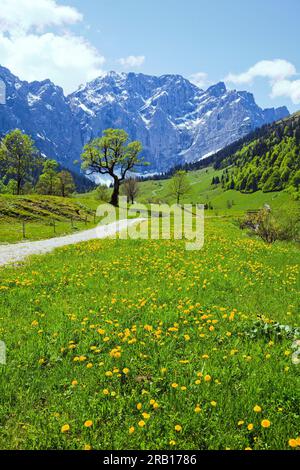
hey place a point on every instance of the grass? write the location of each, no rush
(44, 216)
(70, 214)
(136, 344)
(202, 192)
(139, 344)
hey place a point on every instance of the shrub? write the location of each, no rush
(103, 193)
(272, 226)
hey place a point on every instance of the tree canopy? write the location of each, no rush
(19, 158)
(179, 185)
(112, 155)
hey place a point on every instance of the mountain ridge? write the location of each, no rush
(176, 121)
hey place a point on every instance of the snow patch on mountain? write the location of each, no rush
(175, 120)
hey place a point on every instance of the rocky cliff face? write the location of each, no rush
(174, 119)
(41, 110)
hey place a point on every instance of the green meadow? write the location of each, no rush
(140, 344)
(50, 216)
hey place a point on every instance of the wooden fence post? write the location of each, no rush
(23, 229)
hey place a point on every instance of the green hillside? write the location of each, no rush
(220, 201)
(40, 217)
(268, 162)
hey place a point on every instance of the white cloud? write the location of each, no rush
(273, 69)
(278, 72)
(22, 15)
(32, 53)
(287, 88)
(200, 79)
(67, 60)
(132, 61)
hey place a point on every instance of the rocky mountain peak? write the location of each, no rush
(217, 90)
(175, 120)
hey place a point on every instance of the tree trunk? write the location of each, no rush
(18, 187)
(115, 195)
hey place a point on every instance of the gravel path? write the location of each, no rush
(13, 253)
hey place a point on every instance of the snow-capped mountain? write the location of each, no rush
(175, 120)
(41, 110)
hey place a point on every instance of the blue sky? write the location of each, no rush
(208, 40)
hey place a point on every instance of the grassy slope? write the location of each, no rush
(202, 191)
(174, 316)
(39, 213)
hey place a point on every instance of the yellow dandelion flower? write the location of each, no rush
(172, 443)
(142, 424)
(105, 392)
(197, 409)
(250, 427)
(265, 423)
(88, 423)
(293, 443)
(65, 428)
(174, 385)
(207, 378)
(257, 409)
(213, 403)
(131, 430)
(74, 383)
(178, 428)
(87, 447)
(146, 415)
(125, 370)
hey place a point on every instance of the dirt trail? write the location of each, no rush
(16, 252)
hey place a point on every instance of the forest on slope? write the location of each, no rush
(268, 162)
